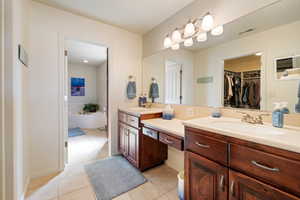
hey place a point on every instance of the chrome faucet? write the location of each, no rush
(251, 119)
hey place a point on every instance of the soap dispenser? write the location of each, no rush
(277, 116)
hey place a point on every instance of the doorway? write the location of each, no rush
(86, 97)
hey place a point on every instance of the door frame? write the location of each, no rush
(62, 106)
(2, 143)
(8, 183)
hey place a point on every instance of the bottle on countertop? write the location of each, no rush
(144, 98)
(141, 99)
(216, 112)
(168, 113)
(284, 107)
(277, 115)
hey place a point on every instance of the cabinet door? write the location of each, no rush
(204, 179)
(133, 138)
(242, 187)
(123, 139)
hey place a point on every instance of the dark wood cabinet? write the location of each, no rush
(133, 146)
(206, 180)
(140, 150)
(243, 187)
(251, 171)
(129, 143)
(123, 139)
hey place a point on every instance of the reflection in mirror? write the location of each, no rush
(258, 53)
(288, 68)
(242, 82)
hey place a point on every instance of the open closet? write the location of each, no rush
(242, 82)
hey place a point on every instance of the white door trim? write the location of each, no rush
(2, 161)
(9, 184)
(61, 65)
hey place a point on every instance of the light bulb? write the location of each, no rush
(207, 22)
(85, 61)
(188, 42)
(175, 46)
(202, 37)
(189, 29)
(167, 42)
(176, 36)
(217, 31)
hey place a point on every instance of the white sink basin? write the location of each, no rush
(256, 129)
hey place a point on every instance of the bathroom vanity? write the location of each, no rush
(144, 136)
(223, 163)
(141, 151)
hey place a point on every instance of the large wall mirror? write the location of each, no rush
(252, 65)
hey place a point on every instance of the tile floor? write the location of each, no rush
(87, 147)
(73, 183)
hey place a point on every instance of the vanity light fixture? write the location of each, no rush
(258, 53)
(202, 37)
(188, 42)
(175, 46)
(85, 61)
(189, 29)
(207, 22)
(167, 42)
(195, 28)
(217, 31)
(176, 36)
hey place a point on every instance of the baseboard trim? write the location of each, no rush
(45, 172)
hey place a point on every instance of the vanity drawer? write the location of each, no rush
(275, 170)
(151, 133)
(206, 146)
(133, 121)
(172, 141)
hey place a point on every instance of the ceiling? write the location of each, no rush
(279, 13)
(139, 16)
(79, 51)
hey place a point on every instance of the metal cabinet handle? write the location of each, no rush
(149, 132)
(202, 145)
(168, 141)
(232, 188)
(275, 169)
(222, 182)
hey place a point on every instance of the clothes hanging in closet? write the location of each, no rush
(251, 93)
(232, 89)
(242, 89)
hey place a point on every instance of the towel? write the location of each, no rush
(154, 91)
(131, 90)
(297, 106)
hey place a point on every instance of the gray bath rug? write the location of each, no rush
(113, 176)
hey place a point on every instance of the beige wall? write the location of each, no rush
(154, 66)
(277, 42)
(49, 27)
(224, 11)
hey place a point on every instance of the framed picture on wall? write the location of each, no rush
(77, 86)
